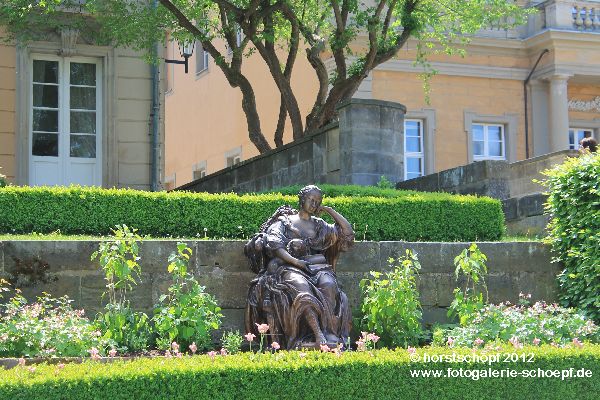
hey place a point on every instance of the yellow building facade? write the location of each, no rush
(76, 113)
(477, 103)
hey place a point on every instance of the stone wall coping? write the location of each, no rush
(372, 102)
(570, 153)
(256, 158)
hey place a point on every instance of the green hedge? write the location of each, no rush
(76, 210)
(379, 375)
(347, 190)
(574, 230)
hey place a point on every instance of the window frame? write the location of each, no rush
(486, 155)
(575, 145)
(204, 56)
(419, 155)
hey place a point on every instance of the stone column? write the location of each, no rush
(371, 141)
(559, 113)
(539, 129)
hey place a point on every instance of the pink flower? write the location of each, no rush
(536, 342)
(554, 344)
(515, 342)
(249, 336)
(223, 351)
(577, 342)
(478, 342)
(275, 346)
(360, 345)
(212, 354)
(262, 328)
(450, 342)
(411, 350)
(21, 362)
(175, 347)
(31, 369)
(112, 353)
(60, 366)
(193, 348)
(168, 354)
(373, 337)
(325, 348)
(94, 353)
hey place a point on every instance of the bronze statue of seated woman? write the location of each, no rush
(296, 291)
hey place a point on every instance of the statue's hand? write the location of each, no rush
(303, 265)
(324, 210)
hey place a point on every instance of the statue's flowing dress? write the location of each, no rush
(274, 296)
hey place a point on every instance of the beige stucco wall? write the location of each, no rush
(126, 106)
(205, 118)
(7, 110)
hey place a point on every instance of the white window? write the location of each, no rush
(488, 142)
(199, 170)
(231, 161)
(201, 58)
(65, 121)
(414, 160)
(575, 136)
(238, 41)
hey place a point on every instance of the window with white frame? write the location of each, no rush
(201, 58)
(488, 142)
(233, 160)
(414, 160)
(199, 170)
(575, 136)
(238, 40)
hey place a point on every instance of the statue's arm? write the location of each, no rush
(340, 220)
(282, 254)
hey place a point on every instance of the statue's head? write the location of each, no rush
(306, 191)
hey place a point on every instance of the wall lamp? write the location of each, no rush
(186, 49)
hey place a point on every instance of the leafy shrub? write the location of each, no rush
(2, 179)
(523, 324)
(232, 341)
(390, 304)
(186, 314)
(384, 183)
(49, 327)
(574, 230)
(380, 374)
(470, 263)
(412, 216)
(381, 190)
(123, 328)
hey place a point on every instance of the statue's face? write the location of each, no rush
(312, 201)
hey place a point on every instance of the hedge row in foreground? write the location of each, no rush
(347, 190)
(76, 210)
(538, 373)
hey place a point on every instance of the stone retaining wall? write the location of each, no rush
(64, 268)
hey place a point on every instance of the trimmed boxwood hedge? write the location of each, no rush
(347, 190)
(378, 375)
(95, 211)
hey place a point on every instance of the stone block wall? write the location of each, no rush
(367, 143)
(64, 268)
(522, 198)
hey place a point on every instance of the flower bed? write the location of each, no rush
(381, 374)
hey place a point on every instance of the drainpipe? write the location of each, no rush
(525, 97)
(155, 117)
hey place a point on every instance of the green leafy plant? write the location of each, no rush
(520, 324)
(124, 328)
(47, 328)
(470, 263)
(232, 341)
(410, 216)
(390, 304)
(574, 230)
(186, 314)
(384, 183)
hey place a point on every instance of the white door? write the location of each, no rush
(65, 128)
